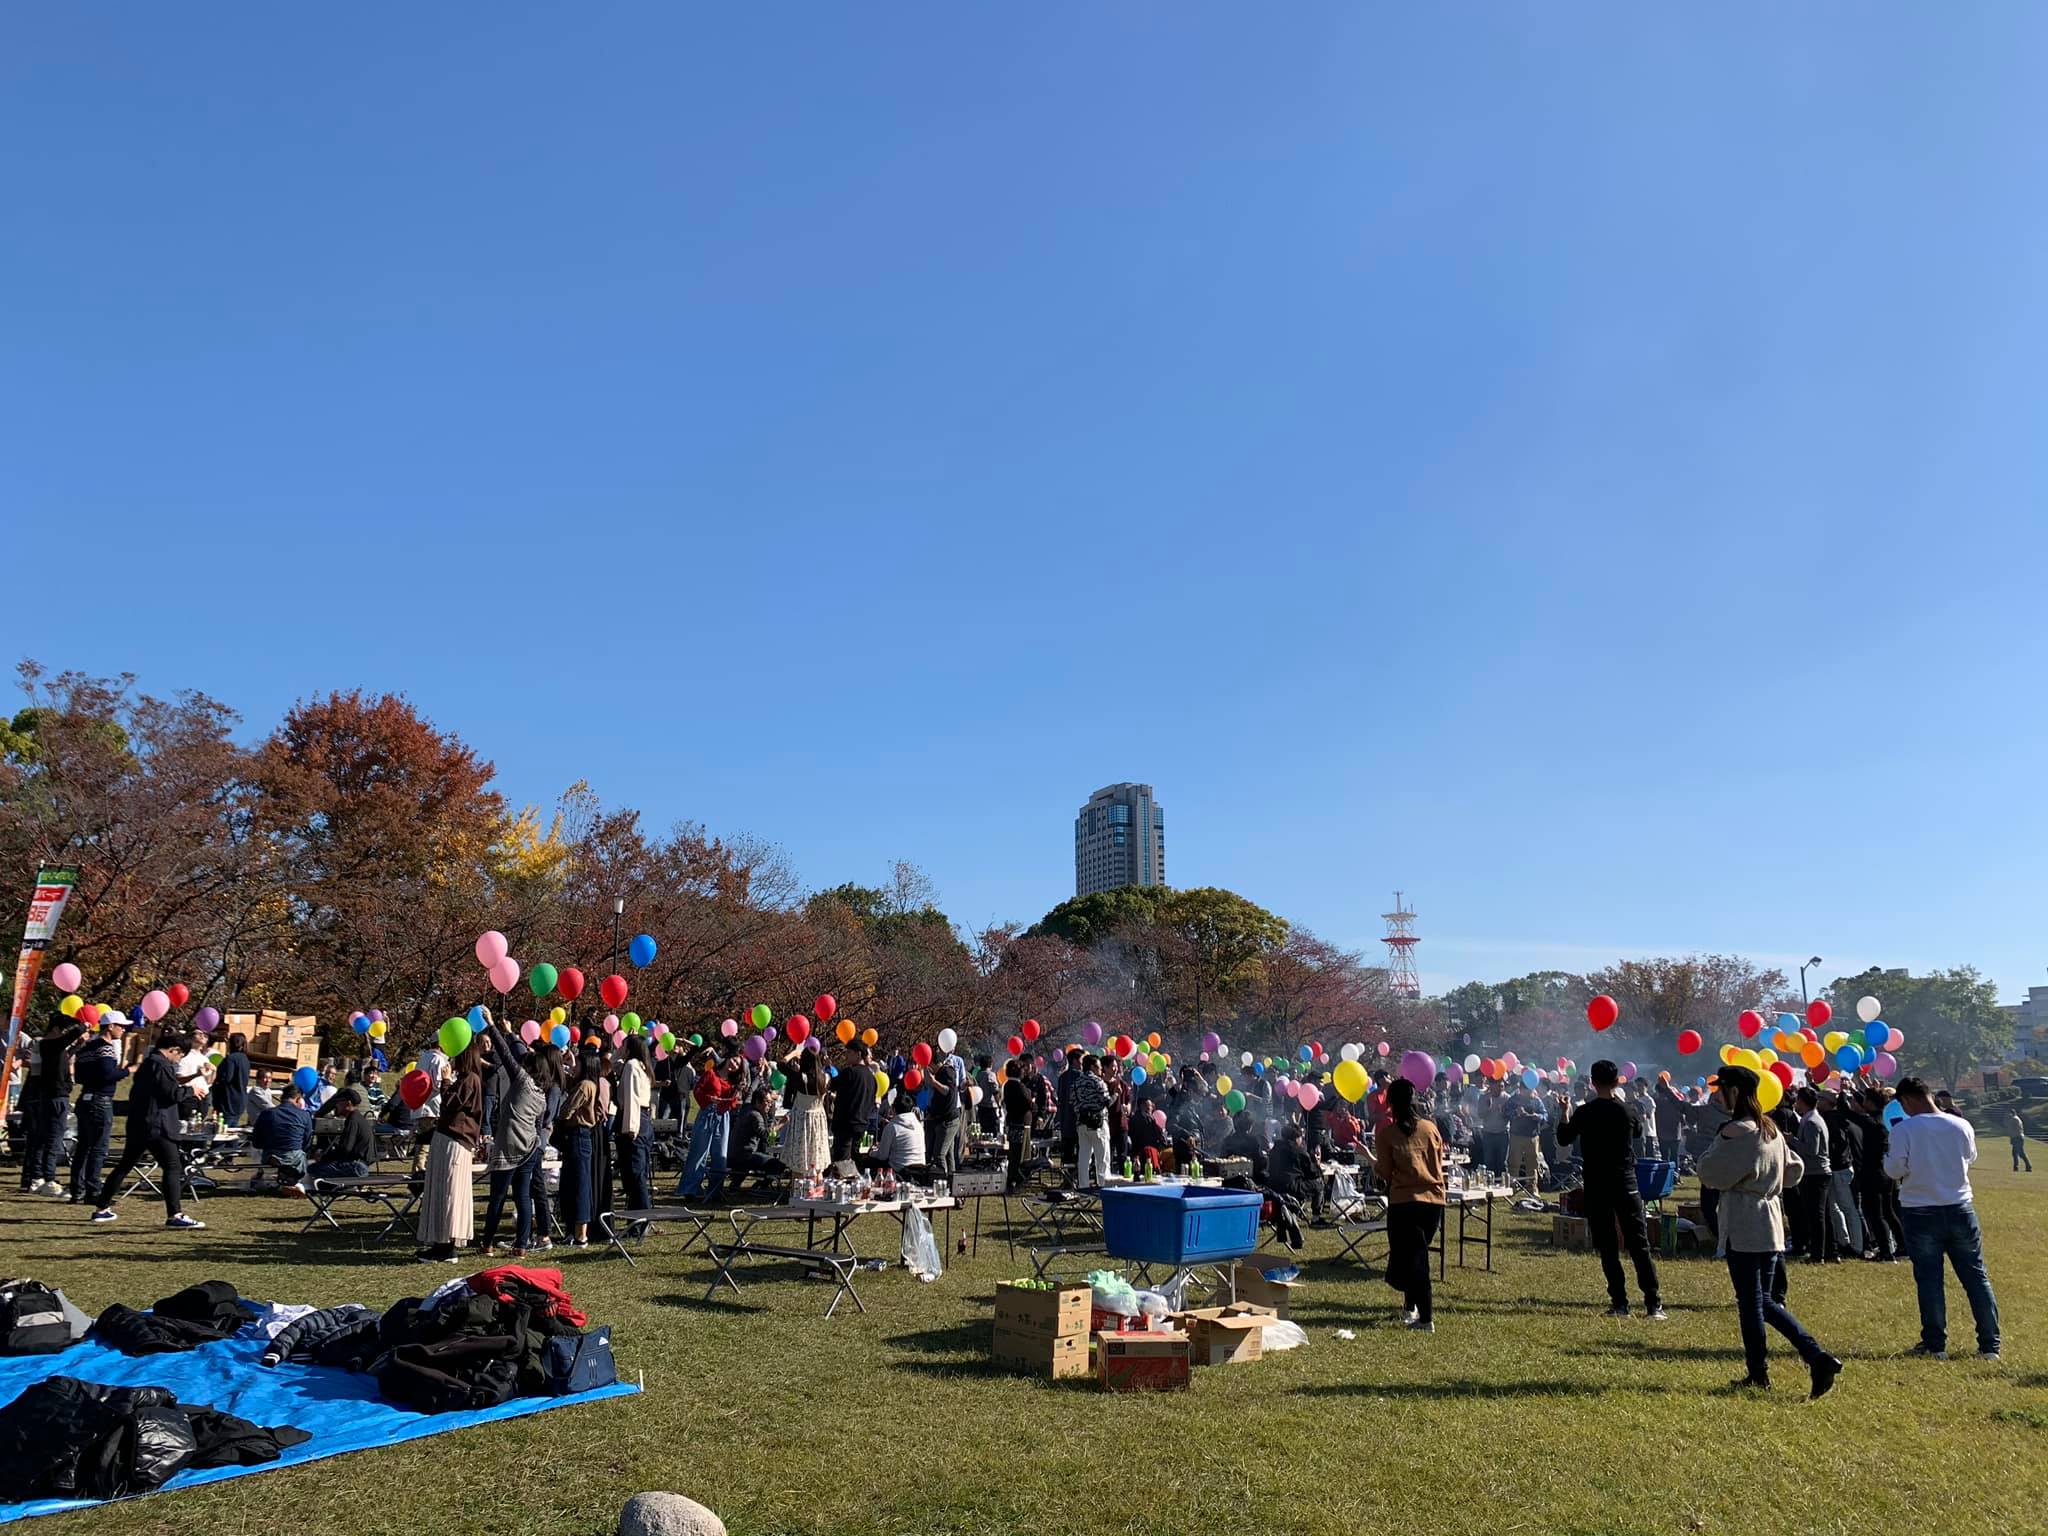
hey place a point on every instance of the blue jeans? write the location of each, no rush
(352, 1169)
(89, 1155)
(576, 1176)
(1937, 1232)
(518, 1181)
(636, 1168)
(706, 1158)
(43, 1120)
(1759, 1280)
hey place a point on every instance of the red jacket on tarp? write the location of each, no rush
(542, 1287)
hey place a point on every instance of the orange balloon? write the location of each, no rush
(1153, 1040)
(1812, 1054)
(868, 1037)
(845, 1031)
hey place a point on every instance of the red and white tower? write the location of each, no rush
(1401, 941)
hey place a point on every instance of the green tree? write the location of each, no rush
(1951, 1019)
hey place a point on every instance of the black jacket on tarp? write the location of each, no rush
(199, 1314)
(64, 1438)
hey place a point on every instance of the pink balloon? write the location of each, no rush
(1309, 1096)
(1159, 1118)
(1886, 1063)
(504, 972)
(1894, 1040)
(65, 977)
(490, 948)
(611, 1023)
(530, 1031)
(1385, 1049)
(729, 1028)
(155, 1004)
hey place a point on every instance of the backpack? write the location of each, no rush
(31, 1319)
(578, 1362)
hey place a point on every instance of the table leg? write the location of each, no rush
(1489, 1234)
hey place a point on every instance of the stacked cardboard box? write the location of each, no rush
(1143, 1362)
(277, 1038)
(1570, 1232)
(1042, 1329)
(1253, 1286)
(1231, 1335)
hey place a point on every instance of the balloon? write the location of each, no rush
(306, 1079)
(1454, 1074)
(558, 1015)
(1222, 1084)
(762, 1016)
(1849, 1057)
(1308, 1096)
(1894, 1039)
(1894, 1112)
(1157, 1061)
(1384, 1048)
(1867, 1010)
(360, 1023)
(799, 1030)
(1833, 1039)
(921, 1054)
(642, 949)
(1782, 1071)
(1016, 1045)
(629, 1022)
(1419, 1067)
(530, 1031)
(490, 948)
(1818, 1012)
(71, 1004)
(155, 1004)
(1092, 1032)
(1471, 1062)
(755, 1047)
(1308, 1053)
(1688, 1041)
(845, 1031)
(505, 974)
(559, 1036)
(1159, 1118)
(1124, 1045)
(612, 991)
(415, 1088)
(1628, 1070)
(1602, 1011)
(1233, 1101)
(1510, 1061)
(1351, 1081)
(378, 1028)
(881, 1085)
(948, 1038)
(1529, 1078)
(1031, 1031)
(541, 979)
(455, 1036)
(179, 993)
(1877, 1034)
(1138, 1076)
(1768, 1092)
(1749, 1021)
(1811, 1054)
(869, 1037)
(1728, 1055)
(569, 982)
(825, 1007)
(1245, 1059)
(65, 977)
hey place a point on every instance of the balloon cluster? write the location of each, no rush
(1872, 1047)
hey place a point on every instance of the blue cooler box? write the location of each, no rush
(1179, 1223)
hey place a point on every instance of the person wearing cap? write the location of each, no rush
(1752, 1164)
(97, 1066)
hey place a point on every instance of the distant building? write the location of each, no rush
(2030, 1026)
(1119, 839)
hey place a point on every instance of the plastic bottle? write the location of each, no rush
(1127, 1170)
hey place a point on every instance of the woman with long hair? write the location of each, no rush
(448, 1204)
(576, 1134)
(1751, 1164)
(518, 1140)
(1408, 1158)
(807, 1135)
(633, 1092)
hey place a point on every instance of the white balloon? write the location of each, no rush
(1349, 1053)
(1869, 1009)
(1472, 1062)
(1245, 1060)
(948, 1039)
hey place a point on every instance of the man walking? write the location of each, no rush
(98, 1068)
(1091, 1124)
(1930, 1156)
(1605, 1129)
(2018, 1131)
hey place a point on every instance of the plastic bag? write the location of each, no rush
(1113, 1293)
(920, 1248)
(1281, 1334)
(1343, 1188)
(1152, 1304)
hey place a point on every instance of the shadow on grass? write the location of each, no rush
(970, 1369)
(724, 1305)
(1468, 1388)
(961, 1338)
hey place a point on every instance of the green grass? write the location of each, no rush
(1527, 1411)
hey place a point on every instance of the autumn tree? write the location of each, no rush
(1951, 1019)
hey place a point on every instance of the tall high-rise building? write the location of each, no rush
(1119, 839)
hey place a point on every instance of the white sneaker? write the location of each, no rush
(49, 1187)
(185, 1224)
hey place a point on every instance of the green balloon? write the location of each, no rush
(630, 1023)
(542, 979)
(455, 1036)
(776, 1080)
(763, 1017)
(696, 1039)
(1233, 1101)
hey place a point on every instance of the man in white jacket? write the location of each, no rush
(1930, 1156)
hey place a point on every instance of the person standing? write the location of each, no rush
(1670, 1115)
(1845, 1150)
(1884, 1237)
(1525, 1126)
(157, 1101)
(1812, 1145)
(1070, 1074)
(988, 1095)
(1605, 1128)
(807, 1137)
(1408, 1160)
(582, 1114)
(2017, 1129)
(1493, 1127)
(717, 1096)
(1751, 1164)
(634, 1096)
(231, 1081)
(942, 1116)
(46, 1108)
(448, 1203)
(1930, 1156)
(97, 1066)
(1019, 1102)
(854, 1092)
(1091, 1124)
(518, 1140)
(1119, 1111)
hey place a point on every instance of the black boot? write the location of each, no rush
(1824, 1371)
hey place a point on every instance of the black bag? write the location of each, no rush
(466, 1371)
(579, 1362)
(31, 1319)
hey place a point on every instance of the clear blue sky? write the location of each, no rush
(1580, 465)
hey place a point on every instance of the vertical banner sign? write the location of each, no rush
(53, 889)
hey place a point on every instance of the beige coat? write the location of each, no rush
(1751, 1173)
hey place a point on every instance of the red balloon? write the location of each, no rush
(1749, 1021)
(89, 1014)
(1810, 1034)
(612, 989)
(1016, 1046)
(1125, 1045)
(1030, 1030)
(1602, 1011)
(921, 1054)
(569, 982)
(913, 1080)
(1782, 1071)
(414, 1089)
(178, 993)
(798, 1029)
(825, 1007)
(1817, 1013)
(1688, 1041)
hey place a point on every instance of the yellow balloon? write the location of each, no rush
(70, 1006)
(1352, 1081)
(377, 1029)
(558, 1015)
(1749, 1059)
(1222, 1083)
(1834, 1040)
(881, 1085)
(1767, 1057)
(1768, 1091)
(1728, 1055)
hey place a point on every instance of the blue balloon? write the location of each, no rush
(1699, 1082)
(1137, 1077)
(558, 1037)
(135, 1013)
(1308, 1053)
(477, 1023)
(642, 950)
(1258, 1069)
(306, 1079)
(1789, 1022)
(1529, 1078)
(1894, 1112)
(360, 1023)
(831, 1071)
(1849, 1057)
(1876, 1033)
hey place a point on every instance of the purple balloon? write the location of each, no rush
(376, 1015)
(768, 1033)
(1092, 1032)
(1211, 1040)
(205, 1019)
(1419, 1067)
(755, 1047)
(814, 1044)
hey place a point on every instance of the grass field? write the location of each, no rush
(1527, 1411)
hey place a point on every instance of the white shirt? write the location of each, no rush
(1930, 1156)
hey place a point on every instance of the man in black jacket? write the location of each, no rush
(1605, 1127)
(853, 1101)
(46, 1109)
(156, 1103)
(97, 1065)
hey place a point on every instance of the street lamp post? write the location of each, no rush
(618, 912)
(1810, 965)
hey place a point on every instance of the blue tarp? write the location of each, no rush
(339, 1409)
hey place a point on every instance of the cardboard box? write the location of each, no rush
(1228, 1340)
(1570, 1232)
(1143, 1362)
(978, 1181)
(1253, 1286)
(1059, 1313)
(1056, 1356)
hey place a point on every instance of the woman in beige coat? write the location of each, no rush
(1751, 1165)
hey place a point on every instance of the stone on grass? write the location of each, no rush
(667, 1514)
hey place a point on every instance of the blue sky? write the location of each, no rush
(1581, 466)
